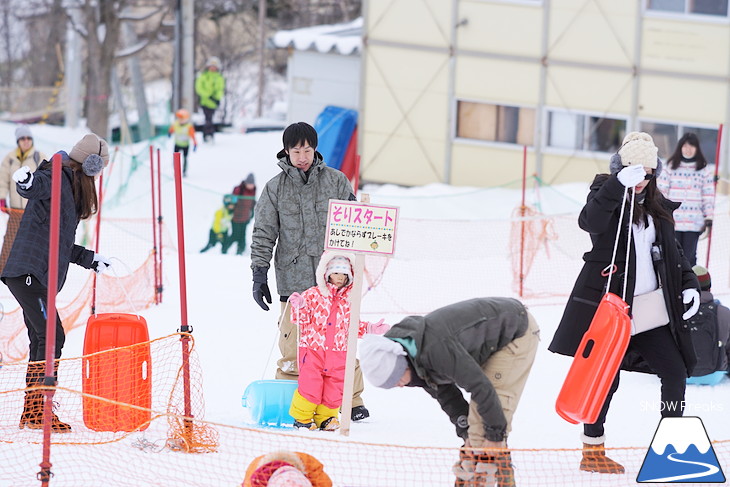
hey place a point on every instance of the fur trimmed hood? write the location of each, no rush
(324, 261)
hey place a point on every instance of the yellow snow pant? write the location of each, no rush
(306, 411)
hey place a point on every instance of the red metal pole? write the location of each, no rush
(522, 222)
(96, 242)
(154, 220)
(49, 380)
(717, 172)
(159, 223)
(183, 290)
(357, 173)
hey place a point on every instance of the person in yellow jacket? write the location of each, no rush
(183, 132)
(221, 224)
(209, 86)
(10, 201)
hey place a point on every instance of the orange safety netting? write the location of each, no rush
(153, 454)
(106, 396)
(529, 233)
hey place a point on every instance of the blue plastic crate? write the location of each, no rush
(268, 401)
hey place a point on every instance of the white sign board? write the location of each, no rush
(361, 227)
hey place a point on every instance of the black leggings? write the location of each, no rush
(184, 152)
(30, 292)
(658, 348)
(209, 127)
(688, 241)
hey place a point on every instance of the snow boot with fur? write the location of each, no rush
(595, 459)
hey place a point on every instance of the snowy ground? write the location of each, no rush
(236, 340)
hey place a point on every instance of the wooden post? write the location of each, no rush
(355, 299)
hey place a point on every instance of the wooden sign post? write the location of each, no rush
(360, 228)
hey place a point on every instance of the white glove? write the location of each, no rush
(631, 175)
(100, 263)
(691, 296)
(23, 177)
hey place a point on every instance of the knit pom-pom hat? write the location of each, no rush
(92, 152)
(637, 148)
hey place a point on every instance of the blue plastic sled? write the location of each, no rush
(707, 380)
(268, 401)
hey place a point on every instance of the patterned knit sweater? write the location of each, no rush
(694, 189)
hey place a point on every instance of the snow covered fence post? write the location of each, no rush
(360, 228)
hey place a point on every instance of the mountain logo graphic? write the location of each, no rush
(681, 452)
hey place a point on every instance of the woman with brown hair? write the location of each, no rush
(656, 270)
(26, 271)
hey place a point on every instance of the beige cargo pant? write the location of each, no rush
(507, 370)
(287, 368)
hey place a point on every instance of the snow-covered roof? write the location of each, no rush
(344, 39)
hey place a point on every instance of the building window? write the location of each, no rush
(666, 136)
(584, 132)
(495, 123)
(699, 7)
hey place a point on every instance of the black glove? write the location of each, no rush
(215, 101)
(462, 427)
(706, 228)
(261, 288)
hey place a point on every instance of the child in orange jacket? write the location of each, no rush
(184, 132)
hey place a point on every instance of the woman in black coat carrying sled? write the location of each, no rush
(655, 262)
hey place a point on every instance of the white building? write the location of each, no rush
(323, 68)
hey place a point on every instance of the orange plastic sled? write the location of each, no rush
(596, 362)
(122, 374)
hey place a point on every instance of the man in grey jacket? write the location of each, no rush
(486, 346)
(291, 214)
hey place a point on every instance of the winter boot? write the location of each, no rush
(359, 413)
(595, 459)
(505, 470)
(330, 424)
(32, 409)
(307, 426)
(32, 416)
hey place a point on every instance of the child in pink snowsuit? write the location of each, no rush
(322, 315)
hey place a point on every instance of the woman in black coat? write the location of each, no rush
(26, 272)
(655, 259)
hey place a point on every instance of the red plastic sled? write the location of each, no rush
(596, 362)
(122, 373)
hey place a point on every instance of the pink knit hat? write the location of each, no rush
(289, 477)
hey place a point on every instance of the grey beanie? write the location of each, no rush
(249, 179)
(22, 131)
(383, 361)
(92, 152)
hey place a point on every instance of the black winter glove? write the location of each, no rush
(215, 101)
(706, 228)
(261, 288)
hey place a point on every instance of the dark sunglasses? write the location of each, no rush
(25, 138)
(649, 177)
